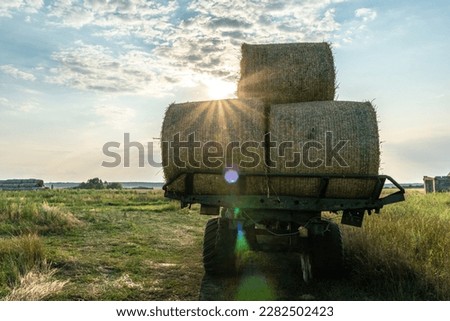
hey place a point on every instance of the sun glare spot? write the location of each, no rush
(220, 89)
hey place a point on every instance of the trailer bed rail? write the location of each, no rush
(320, 202)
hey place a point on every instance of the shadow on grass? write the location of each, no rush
(277, 277)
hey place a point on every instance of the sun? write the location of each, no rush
(220, 89)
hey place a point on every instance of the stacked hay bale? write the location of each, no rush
(297, 83)
(350, 128)
(287, 73)
(222, 122)
(287, 91)
(21, 184)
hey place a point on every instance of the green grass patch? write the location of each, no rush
(21, 216)
(18, 256)
(403, 253)
(137, 245)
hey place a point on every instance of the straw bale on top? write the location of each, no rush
(287, 73)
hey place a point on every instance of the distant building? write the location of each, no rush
(21, 184)
(437, 184)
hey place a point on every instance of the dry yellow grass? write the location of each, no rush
(24, 270)
(36, 286)
(64, 217)
(19, 216)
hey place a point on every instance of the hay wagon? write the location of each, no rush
(285, 91)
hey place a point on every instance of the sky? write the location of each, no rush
(76, 74)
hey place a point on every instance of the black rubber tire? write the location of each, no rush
(327, 253)
(218, 247)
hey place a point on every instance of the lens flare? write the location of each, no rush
(255, 288)
(231, 176)
(241, 242)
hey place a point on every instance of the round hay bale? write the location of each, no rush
(28, 185)
(287, 73)
(13, 181)
(223, 122)
(328, 137)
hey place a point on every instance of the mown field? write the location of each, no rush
(136, 245)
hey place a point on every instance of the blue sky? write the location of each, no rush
(76, 74)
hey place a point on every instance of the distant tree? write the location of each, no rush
(97, 183)
(114, 186)
(93, 183)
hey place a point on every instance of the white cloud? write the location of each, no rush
(94, 67)
(16, 73)
(366, 14)
(356, 30)
(164, 45)
(6, 7)
(117, 17)
(271, 21)
(97, 68)
(208, 41)
(30, 6)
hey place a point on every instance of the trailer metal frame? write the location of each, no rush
(280, 202)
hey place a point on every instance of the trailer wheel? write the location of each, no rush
(327, 255)
(218, 247)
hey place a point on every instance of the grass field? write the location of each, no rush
(136, 245)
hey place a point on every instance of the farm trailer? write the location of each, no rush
(280, 222)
